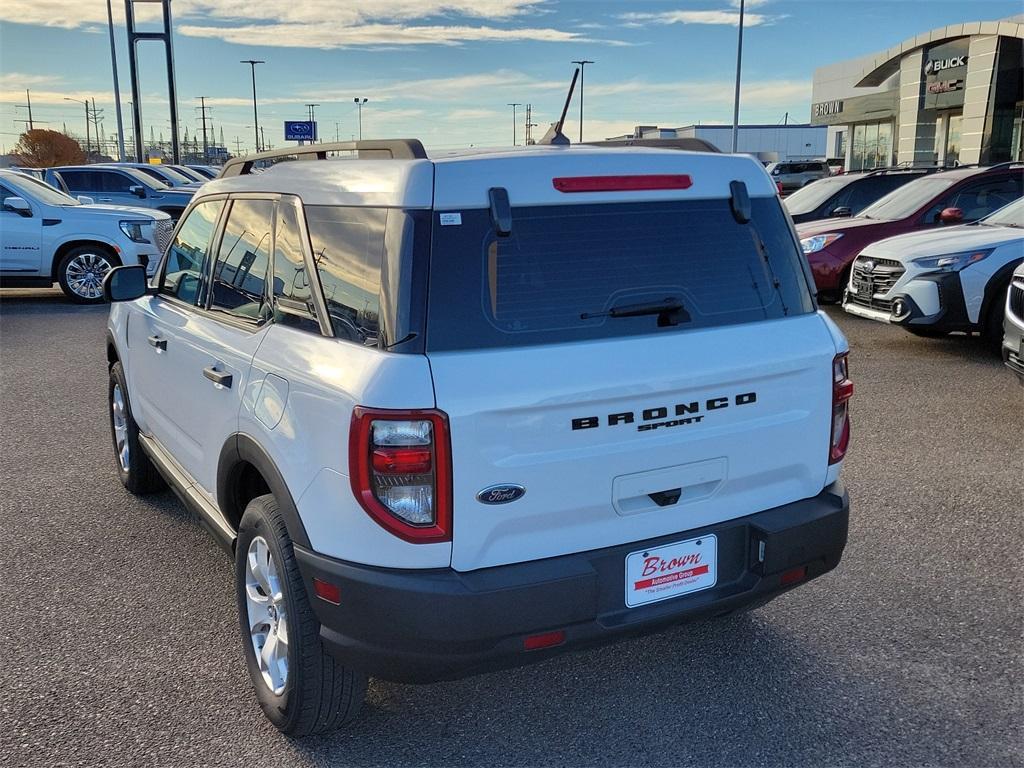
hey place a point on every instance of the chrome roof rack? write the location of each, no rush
(370, 149)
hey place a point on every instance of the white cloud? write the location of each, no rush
(330, 34)
(727, 18)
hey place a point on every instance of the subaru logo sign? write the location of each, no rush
(500, 494)
(299, 130)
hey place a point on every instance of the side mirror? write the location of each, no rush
(19, 206)
(85, 200)
(842, 211)
(951, 216)
(138, 190)
(776, 172)
(125, 283)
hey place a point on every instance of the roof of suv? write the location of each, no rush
(459, 179)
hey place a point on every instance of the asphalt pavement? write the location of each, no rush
(119, 643)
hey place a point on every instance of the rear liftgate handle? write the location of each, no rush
(220, 379)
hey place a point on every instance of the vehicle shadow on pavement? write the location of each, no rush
(733, 691)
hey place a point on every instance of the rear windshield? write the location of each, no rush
(562, 265)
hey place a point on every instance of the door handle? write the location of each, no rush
(104, 199)
(158, 343)
(219, 378)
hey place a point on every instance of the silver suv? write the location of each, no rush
(791, 175)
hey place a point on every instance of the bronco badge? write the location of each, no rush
(500, 494)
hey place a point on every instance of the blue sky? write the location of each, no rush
(443, 70)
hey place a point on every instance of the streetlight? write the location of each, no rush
(514, 105)
(255, 117)
(736, 102)
(88, 142)
(583, 63)
(359, 103)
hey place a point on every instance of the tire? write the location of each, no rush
(137, 472)
(992, 331)
(81, 272)
(313, 693)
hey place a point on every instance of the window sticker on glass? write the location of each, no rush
(451, 219)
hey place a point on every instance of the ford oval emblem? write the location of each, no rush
(500, 494)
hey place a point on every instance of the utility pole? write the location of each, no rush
(117, 88)
(29, 124)
(88, 143)
(337, 131)
(530, 125)
(202, 108)
(736, 102)
(96, 119)
(238, 146)
(583, 64)
(514, 104)
(263, 139)
(359, 103)
(255, 116)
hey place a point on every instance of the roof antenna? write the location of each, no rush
(554, 135)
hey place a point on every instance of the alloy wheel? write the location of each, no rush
(85, 274)
(119, 417)
(268, 618)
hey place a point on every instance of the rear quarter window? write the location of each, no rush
(563, 262)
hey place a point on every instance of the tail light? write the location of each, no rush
(842, 391)
(400, 468)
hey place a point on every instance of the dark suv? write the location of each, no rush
(957, 196)
(848, 193)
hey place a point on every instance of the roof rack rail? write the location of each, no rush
(1010, 164)
(375, 149)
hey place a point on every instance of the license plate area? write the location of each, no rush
(671, 570)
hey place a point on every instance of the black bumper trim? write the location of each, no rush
(440, 624)
(952, 314)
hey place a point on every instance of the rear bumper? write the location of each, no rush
(438, 624)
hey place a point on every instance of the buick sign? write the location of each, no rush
(500, 494)
(934, 66)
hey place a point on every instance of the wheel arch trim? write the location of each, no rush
(241, 449)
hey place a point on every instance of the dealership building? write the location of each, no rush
(949, 96)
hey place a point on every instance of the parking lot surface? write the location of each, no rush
(120, 643)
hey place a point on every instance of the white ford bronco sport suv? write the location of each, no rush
(458, 412)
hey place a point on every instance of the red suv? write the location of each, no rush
(956, 196)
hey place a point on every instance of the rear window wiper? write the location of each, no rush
(670, 311)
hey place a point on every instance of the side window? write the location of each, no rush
(113, 181)
(293, 295)
(238, 286)
(4, 194)
(348, 244)
(978, 200)
(183, 267)
(81, 181)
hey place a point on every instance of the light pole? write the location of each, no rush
(88, 142)
(255, 117)
(583, 63)
(117, 88)
(359, 103)
(514, 105)
(736, 102)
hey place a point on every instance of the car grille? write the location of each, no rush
(1017, 299)
(872, 277)
(162, 231)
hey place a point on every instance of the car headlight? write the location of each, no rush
(952, 262)
(815, 243)
(135, 230)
